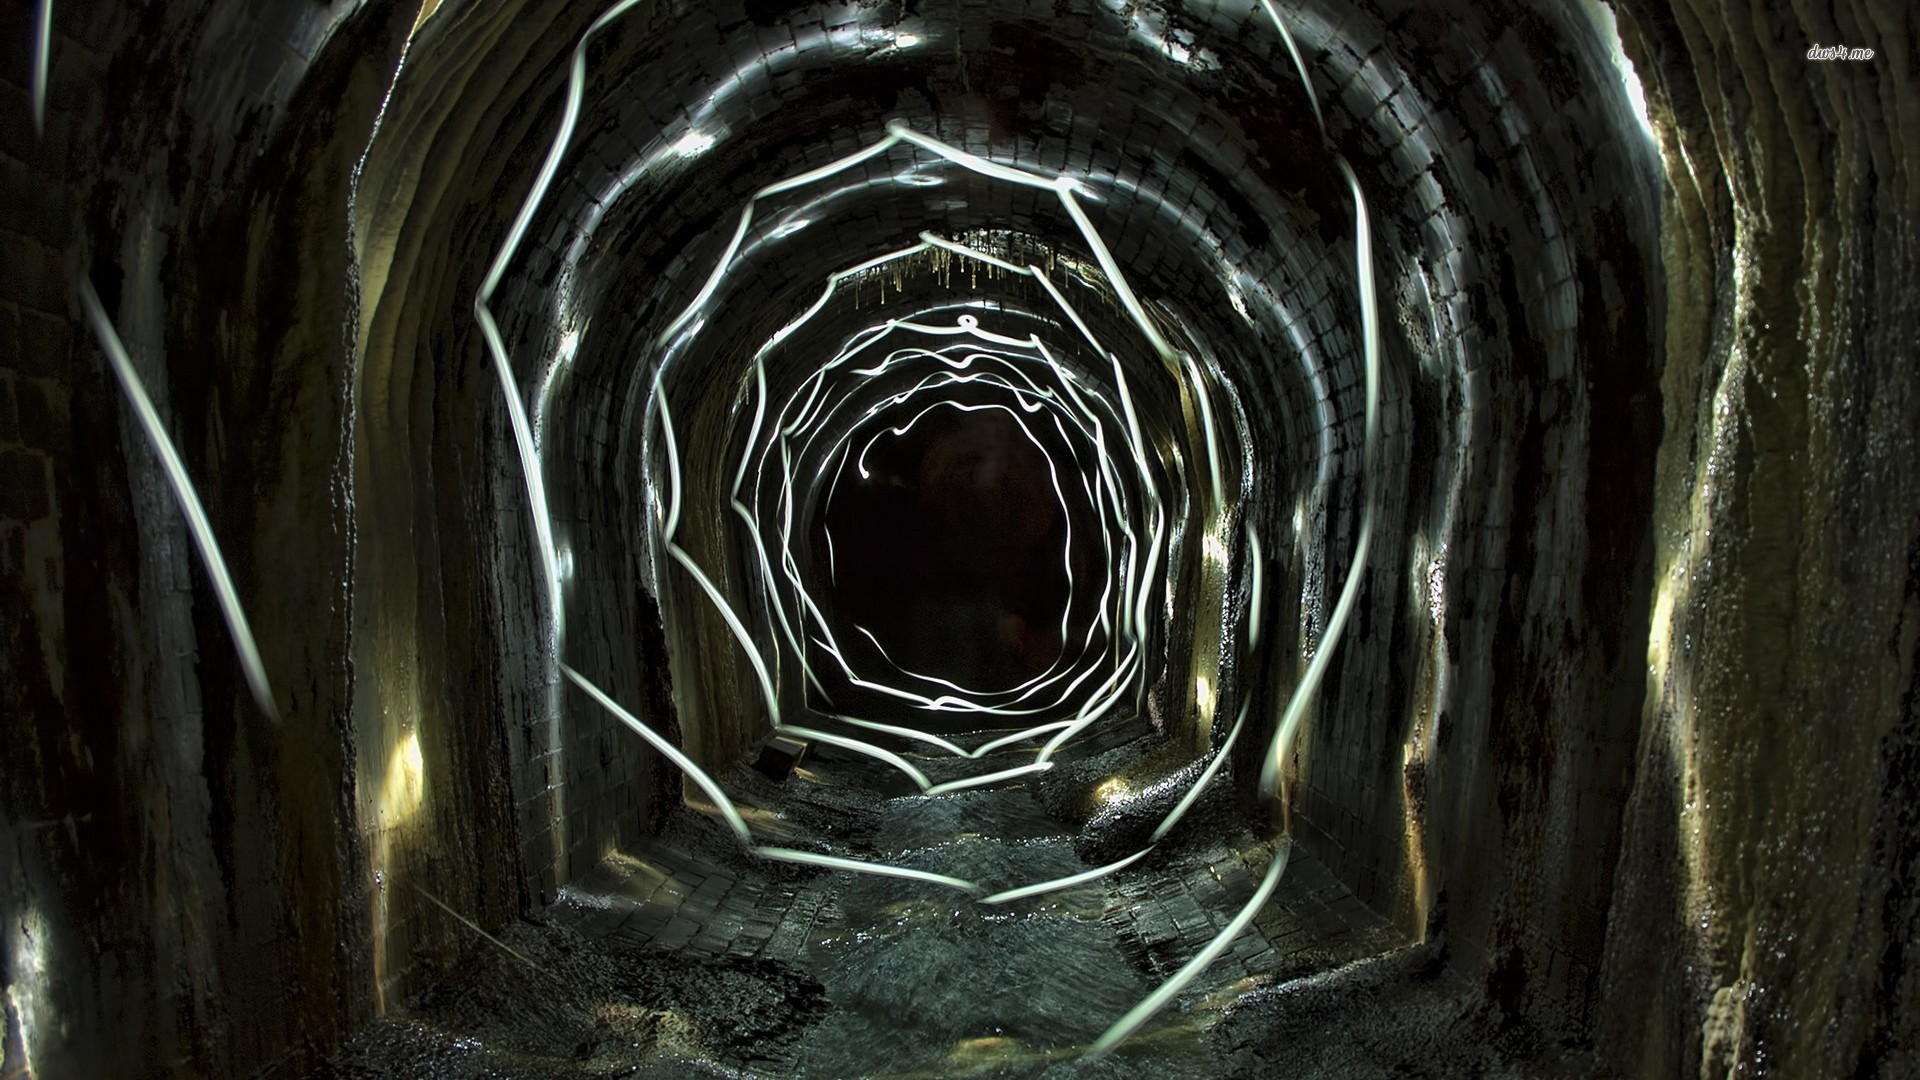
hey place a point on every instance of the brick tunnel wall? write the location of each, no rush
(186, 885)
(155, 826)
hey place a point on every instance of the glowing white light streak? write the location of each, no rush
(1288, 729)
(1299, 64)
(967, 324)
(1210, 437)
(734, 625)
(835, 862)
(490, 330)
(888, 756)
(731, 813)
(42, 63)
(992, 170)
(1206, 776)
(1018, 737)
(1031, 396)
(671, 752)
(689, 323)
(1135, 595)
(1168, 990)
(693, 144)
(915, 734)
(746, 221)
(1256, 560)
(184, 494)
(986, 779)
(897, 132)
(1068, 882)
(1284, 738)
(789, 227)
(1111, 267)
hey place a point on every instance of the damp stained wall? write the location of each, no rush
(1627, 716)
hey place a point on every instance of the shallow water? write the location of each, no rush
(864, 976)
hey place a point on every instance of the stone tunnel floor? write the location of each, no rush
(689, 958)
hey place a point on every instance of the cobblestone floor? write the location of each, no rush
(673, 897)
(687, 957)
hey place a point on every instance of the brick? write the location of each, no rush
(43, 414)
(79, 76)
(44, 153)
(9, 415)
(45, 346)
(32, 204)
(10, 341)
(35, 274)
(23, 486)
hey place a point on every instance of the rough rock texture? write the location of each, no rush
(182, 879)
(1765, 909)
(541, 1000)
(1625, 724)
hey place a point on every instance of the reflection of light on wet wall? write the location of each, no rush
(404, 788)
(801, 634)
(403, 791)
(1608, 28)
(29, 1013)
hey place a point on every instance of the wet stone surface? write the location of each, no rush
(688, 958)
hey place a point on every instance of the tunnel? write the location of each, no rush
(959, 538)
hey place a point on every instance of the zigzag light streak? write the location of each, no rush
(811, 419)
(810, 396)
(1136, 599)
(1280, 751)
(755, 658)
(1034, 684)
(497, 346)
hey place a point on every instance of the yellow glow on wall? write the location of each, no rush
(405, 787)
(403, 791)
(1214, 548)
(1661, 632)
(1413, 761)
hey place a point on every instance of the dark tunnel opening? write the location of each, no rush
(956, 546)
(1080, 538)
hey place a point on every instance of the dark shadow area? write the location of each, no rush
(951, 549)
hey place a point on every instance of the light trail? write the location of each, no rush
(1284, 739)
(731, 813)
(42, 63)
(1287, 731)
(1134, 570)
(828, 737)
(813, 394)
(184, 494)
(490, 329)
(1031, 394)
(759, 663)
(1070, 881)
(1206, 775)
(1141, 1013)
